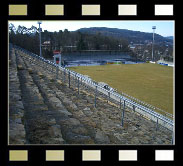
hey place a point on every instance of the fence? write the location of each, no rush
(123, 100)
(156, 109)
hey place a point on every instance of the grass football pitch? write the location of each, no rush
(151, 83)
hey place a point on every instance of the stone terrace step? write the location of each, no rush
(40, 128)
(16, 108)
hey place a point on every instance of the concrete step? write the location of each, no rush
(16, 108)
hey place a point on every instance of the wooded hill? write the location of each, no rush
(131, 36)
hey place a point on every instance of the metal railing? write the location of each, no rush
(156, 109)
(123, 99)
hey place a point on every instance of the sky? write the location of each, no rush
(163, 28)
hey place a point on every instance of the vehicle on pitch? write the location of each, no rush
(106, 86)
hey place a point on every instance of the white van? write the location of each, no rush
(106, 86)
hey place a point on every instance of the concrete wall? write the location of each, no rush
(94, 55)
(162, 62)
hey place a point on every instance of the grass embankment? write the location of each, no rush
(151, 83)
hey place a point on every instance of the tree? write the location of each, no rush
(81, 45)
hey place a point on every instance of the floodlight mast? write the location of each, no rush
(153, 27)
(40, 52)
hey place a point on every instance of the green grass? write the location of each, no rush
(151, 83)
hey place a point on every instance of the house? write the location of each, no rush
(46, 45)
